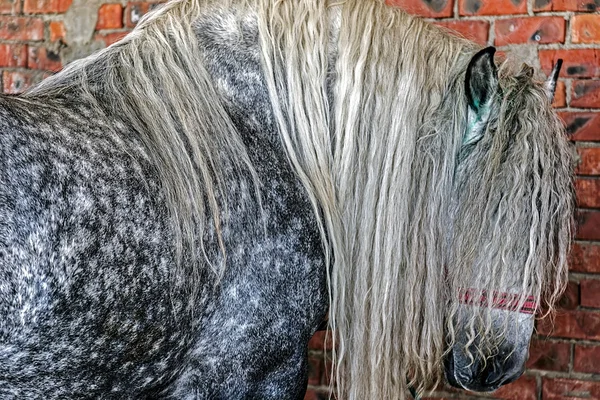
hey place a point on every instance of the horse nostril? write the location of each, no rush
(491, 375)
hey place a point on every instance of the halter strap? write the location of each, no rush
(499, 300)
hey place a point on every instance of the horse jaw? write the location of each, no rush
(466, 368)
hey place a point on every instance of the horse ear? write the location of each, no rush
(552, 78)
(481, 80)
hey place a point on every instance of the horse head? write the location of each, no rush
(506, 241)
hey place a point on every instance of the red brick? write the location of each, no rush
(524, 388)
(17, 82)
(588, 192)
(321, 340)
(10, 6)
(424, 8)
(46, 6)
(110, 16)
(312, 394)
(585, 28)
(530, 30)
(585, 257)
(577, 63)
(588, 225)
(110, 38)
(565, 5)
(585, 94)
(315, 368)
(569, 389)
(590, 295)
(136, 10)
(570, 298)
(44, 59)
(549, 355)
(21, 28)
(560, 95)
(492, 7)
(572, 324)
(13, 55)
(476, 31)
(589, 161)
(57, 31)
(584, 126)
(587, 359)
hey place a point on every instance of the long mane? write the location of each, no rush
(154, 83)
(371, 110)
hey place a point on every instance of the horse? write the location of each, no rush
(180, 211)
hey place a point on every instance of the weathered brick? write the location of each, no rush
(476, 31)
(13, 55)
(573, 324)
(315, 367)
(10, 6)
(492, 7)
(57, 31)
(570, 298)
(577, 63)
(569, 389)
(16, 82)
(21, 28)
(589, 161)
(137, 9)
(585, 94)
(524, 388)
(588, 192)
(44, 59)
(585, 257)
(46, 6)
(560, 95)
(566, 5)
(110, 38)
(588, 225)
(321, 340)
(312, 394)
(426, 8)
(590, 295)
(530, 30)
(584, 126)
(585, 28)
(587, 359)
(110, 16)
(549, 355)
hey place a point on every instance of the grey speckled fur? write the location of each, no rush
(90, 305)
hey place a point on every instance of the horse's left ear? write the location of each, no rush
(552, 78)
(481, 80)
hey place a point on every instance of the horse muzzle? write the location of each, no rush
(479, 376)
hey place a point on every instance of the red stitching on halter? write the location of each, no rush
(500, 300)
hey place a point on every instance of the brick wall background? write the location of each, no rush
(37, 37)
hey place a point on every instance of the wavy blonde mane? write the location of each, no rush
(371, 109)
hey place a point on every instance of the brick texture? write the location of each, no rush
(530, 30)
(564, 360)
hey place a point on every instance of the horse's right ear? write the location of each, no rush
(481, 80)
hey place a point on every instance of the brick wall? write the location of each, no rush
(38, 36)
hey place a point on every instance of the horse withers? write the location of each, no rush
(179, 211)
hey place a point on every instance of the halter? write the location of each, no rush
(499, 300)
